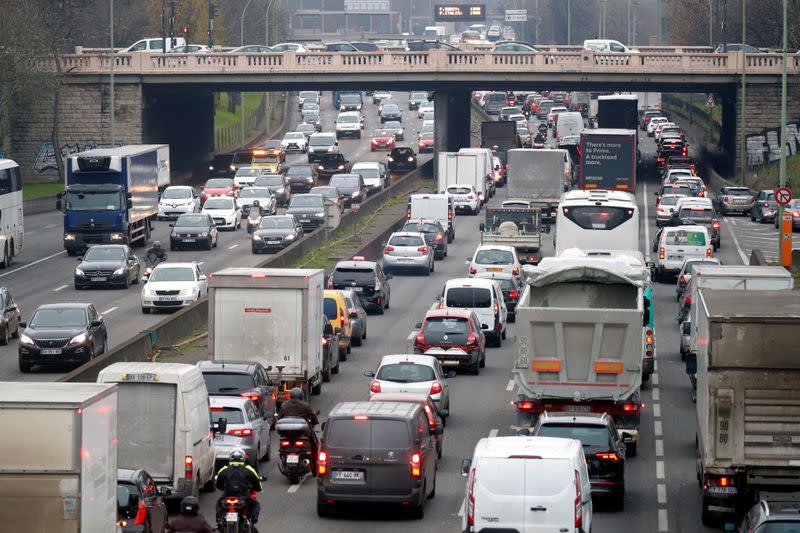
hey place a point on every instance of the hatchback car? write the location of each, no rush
(246, 379)
(401, 158)
(734, 200)
(177, 200)
(330, 164)
(105, 265)
(312, 118)
(331, 195)
(408, 251)
(351, 186)
(396, 129)
(274, 233)
(174, 285)
(365, 278)
(434, 232)
(454, 337)
(306, 129)
(220, 166)
(358, 317)
(277, 186)
(267, 205)
(391, 112)
(665, 207)
(246, 176)
(218, 187)
(308, 209)
(426, 142)
(58, 334)
(465, 198)
(321, 143)
(247, 430)
(140, 503)
(374, 174)
(381, 139)
(225, 213)
(301, 178)
(765, 207)
(771, 516)
(416, 99)
(190, 231)
(494, 258)
(412, 373)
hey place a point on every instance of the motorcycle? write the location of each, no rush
(253, 218)
(150, 265)
(296, 449)
(234, 517)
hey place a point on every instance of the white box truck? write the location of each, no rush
(457, 168)
(433, 207)
(485, 168)
(748, 401)
(269, 315)
(540, 175)
(58, 466)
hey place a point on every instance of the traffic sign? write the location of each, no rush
(710, 100)
(783, 195)
(516, 15)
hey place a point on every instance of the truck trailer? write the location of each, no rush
(465, 169)
(608, 159)
(539, 175)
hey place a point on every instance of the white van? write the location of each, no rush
(485, 167)
(676, 244)
(527, 484)
(155, 44)
(485, 298)
(164, 423)
(570, 123)
(607, 45)
(433, 207)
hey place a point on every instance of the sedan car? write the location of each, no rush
(397, 129)
(301, 178)
(513, 46)
(331, 194)
(220, 166)
(494, 258)
(665, 207)
(308, 209)
(278, 187)
(401, 158)
(218, 187)
(105, 265)
(247, 430)
(193, 230)
(294, 141)
(177, 200)
(58, 334)
(351, 186)
(391, 112)
(425, 108)
(416, 99)
(407, 251)
(381, 139)
(435, 235)
(312, 117)
(379, 96)
(374, 174)
(734, 200)
(275, 233)
(246, 176)
(140, 502)
(454, 337)
(426, 142)
(412, 373)
(358, 317)
(174, 285)
(263, 195)
(224, 211)
(765, 208)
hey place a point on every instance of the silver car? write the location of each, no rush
(247, 430)
(358, 317)
(407, 250)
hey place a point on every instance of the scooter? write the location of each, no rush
(296, 449)
(149, 268)
(234, 517)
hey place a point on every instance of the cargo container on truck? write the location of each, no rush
(648, 101)
(579, 341)
(502, 134)
(539, 175)
(58, 468)
(618, 111)
(748, 401)
(463, 168)
(272, 316)
(518, 227)
(111, 196)
(608, 159)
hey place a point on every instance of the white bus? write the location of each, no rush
(592, 220)
(12, 230)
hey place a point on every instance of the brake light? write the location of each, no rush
(188, 466)
(246, 432)
(419, 340)
(496, 308)
(416, 465)
(687, 300)
(513, 295)
(322, 463)
(438, 237)
(715, 224)
(299, 443)
(709, 252)
(660, 159)
(232, 500)
(436, 388)
(524, 406)
(449, 215)
(375, 386)
(285, 444)
(341, 318)
(725, 199)
(472, 340)
(661, 254)
(471, 196)
(471, 499)
(330, 283)
(473, 270)
(515, 271)
(578, 501)
(252, 396)
(141, 514)
(701, 194)
(682, 280)
(608, 456)
(630, 408)
(408, 213)
(423, 249)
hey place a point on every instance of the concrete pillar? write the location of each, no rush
(453, 113)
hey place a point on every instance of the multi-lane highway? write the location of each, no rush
(44, 273)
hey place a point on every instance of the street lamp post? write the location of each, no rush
(113, 99)
(660, 24)
(569, 21)
(633, 37)
(784, 46)
(711, 23)
(241, 24)
(241, 94)
(629, 23)
(266, 22)
(599, 19)
(742, 142)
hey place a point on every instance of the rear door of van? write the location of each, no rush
(549, 495)
(390, 457)
(499, 493)
(477, 299)
(347, 443)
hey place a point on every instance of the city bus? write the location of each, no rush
(11, 220)
(592, 220)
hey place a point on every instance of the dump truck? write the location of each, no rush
(502, 134)
(540, 176)
(748, 402)
(514, 226)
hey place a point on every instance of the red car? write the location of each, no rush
(426, 143)
(218, 187)
(381, 140)
(454, 337)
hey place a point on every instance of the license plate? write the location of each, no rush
(273, 242)
(495, 269)
(292, 459)
(305, 220)
(231, 517)
(460, 198)
(51, 351)
(167, 299)
(451, 363)
(405, 259)
(98, 279)
(675, 257)
(577, 408)
(348, 475)
(357, 289)
(721, 490)
(189, 240)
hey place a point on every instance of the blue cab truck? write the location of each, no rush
(111, 196)
(337, 97)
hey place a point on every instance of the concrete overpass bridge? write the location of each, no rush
(167, 97)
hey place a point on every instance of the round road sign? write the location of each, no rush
(783, 195)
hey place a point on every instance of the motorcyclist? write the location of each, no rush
(189, 521)
(255, 209)
(239, 479)
(541, 138)
(297, 406)
(156, 254)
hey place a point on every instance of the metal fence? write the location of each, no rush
(233, 136)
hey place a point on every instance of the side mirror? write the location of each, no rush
(221, 426)
(97, 323)
(129, 203)
(164, 491)
(79, 259)
(524, 432)
(484, 326)
(369, 373)
(438, 429)
(450, 374)
(418, 325)
(465, 466)
(691, 363)
(172, 225)
(482, 226)
(23, 324)
(203, 277)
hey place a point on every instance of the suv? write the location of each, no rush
(377, 452)
(365, 278)
(247, 379)
(765, 517)
(765, 208)
(734, 200)
(454, 337)
(702, 214)
(602, 445)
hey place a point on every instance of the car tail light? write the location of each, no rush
(436, 388)
(375, 386)
(472, 340)
(709, 252)
(322, 463)
(471, 197)
(515, 271)
(285, 444)
(423, 249)
(661, 254)
(687, 300)
(299, 443)
(496, 308)
(188, 467)
(660, 159)
(232, 500)
(439, 238)
(419, 340)
(630, 408)
(141, 514)
(766, 204)
(408, 213)
(421, 146)
(578, 501)
(330, 283)
(251, 395)
(246, 432)
(682, 280)
(725, 199)
(608, 456)
(416, 465)
(449, 215)
(471, 498)
(513, 295)
(473, 270)
(524, 406)
(715, 224)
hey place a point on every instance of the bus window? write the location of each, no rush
(598, 217)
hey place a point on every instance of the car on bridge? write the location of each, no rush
(514, 46)
(424, 45)
(289, 47)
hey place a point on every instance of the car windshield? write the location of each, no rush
(254, 192)
(248, 172)
(218, 184)
(310, 116)
(305, 128)
(320, 140)
(680, 189)
(589, 435)
(331, 309)
(419, 96)
(670, 200)
(172, 274)
(306, 201)
(427, 136)
(348, 119)
(222, 382)
(192, 221)
(266, 159)
(221, 160)
(93, 201)
(494, 257)
(327, 192)
(300, 170)
(391, 108)
(421, 227)
(276, 223)
(682, 237)
(367, 172)
(459, 190)
(779, 526)
(349, 99)
(268, 181)
(307, 94)
(406, 240)
(737, 191)
(402, 152)
(310, 106)
(405, 373)
(233, 415)
(344, 181)
(218, 203)
(468, 297)
(64, 317)
(294, 136)
(176, 193)
(104, 254)
(383, 133)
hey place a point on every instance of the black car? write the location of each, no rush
(312, 117)
(57, 334)
(107, 265)
(401, 158)
(243, 378)
(240, 159)
(329, 164)
(391, 112)
(510, 287)
(308, 209)
(365, 46)
(301, 178)
(435, 235)
(192, 230)
(220, 166)
(9, 320)
(602, 446)
(365, 278)
(140, 503)
(276, 233)
(416, 99)
(420, 45)
(351, 186)
(397, 129)
(331, 194)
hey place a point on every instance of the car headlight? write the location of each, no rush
(256, 237)
(119, 271)
(410, 158)
(148, 292)
(232, 167)
(186, 292)
(204, 234)
(341, 167)
(391, 159)
(79, 272)
(356, 193)
(78, 339)
(116, 236)
(290, 237)
(310, 179)
(69, 237)
(358, 107)
(24, 339)
(210, 168)
(320, 215)
(321, 167)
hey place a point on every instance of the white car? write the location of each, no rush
(173, 285)
(350, 124)
(424, 108)
(224, 211)
(666, 206)
(412, 373)
(465, 198)
(494, 258)
(379, 96)
(659, 128)
(246, 176)
(678, 243)
(177, 200)
(655, 121)
(428, 118)
(373, 173)
(289, 47)
(303, 95)
(266, 200)
(674, 174)
(294, 141)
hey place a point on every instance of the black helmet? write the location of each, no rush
(156, 245)
(297, 394)
(190, 506)
(256, 203)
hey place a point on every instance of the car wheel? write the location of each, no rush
(208, 245)
(316, 390)
(356, 340)
(631, 449)
(342, 354)
(752, 216)
(475, 368)
(483, 359)
(145, 310)
(364, 336)
(24, 367)
(324, 510)
(335, 370)
(326, 374)
(5, 337)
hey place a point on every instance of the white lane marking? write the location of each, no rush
(109, 310)
(658, 428)
(659, 448)
(48, 226)
(461, 508)
(654, 378)
(655, 365)
(510, 385)
(60, 288)
(661, 488)
(660, 469)
(232, 246)
(23, 267)
(493, 432)
(656, 410)
(662, 520)
(742, 255)
(294, 488)
(656, 394)
(646, 225)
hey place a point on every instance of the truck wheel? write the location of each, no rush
(631, 449)
(316, 390)
(326, 374)
(709, 518)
